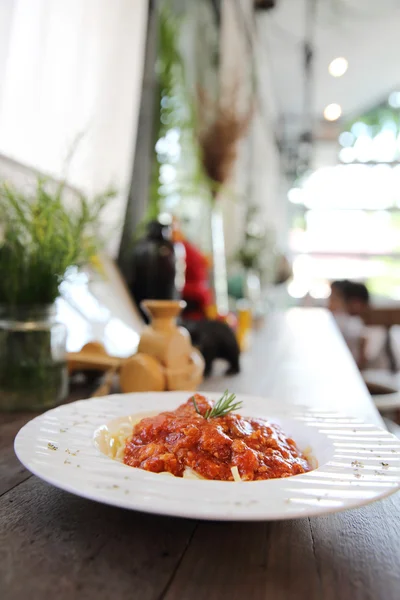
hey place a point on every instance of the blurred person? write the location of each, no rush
(357, 298)
(349, 297)
(347, 302)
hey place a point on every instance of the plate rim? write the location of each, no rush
(287, 410)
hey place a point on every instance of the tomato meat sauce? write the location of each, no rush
(183, 438)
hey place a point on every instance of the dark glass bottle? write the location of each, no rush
(154, 266)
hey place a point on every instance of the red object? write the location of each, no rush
(196, 291)
(174, 440)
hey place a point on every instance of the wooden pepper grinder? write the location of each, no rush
(166, 359)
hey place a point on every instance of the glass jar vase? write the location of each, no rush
(33, 367)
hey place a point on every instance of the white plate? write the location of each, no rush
(358, 463)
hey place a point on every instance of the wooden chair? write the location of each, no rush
(385, 386)
(387, 318)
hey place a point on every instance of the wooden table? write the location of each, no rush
(55, 545)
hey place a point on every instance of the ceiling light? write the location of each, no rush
(363, 148)
(346, 139)
(332, 112)
(347, 155)
(320, 290)
(385, 146)
(359, 128)
(338, 67)
(394, 100)
(295, 196)
(297, 289)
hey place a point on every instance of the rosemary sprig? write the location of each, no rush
(222, 407)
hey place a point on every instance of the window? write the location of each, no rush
(346, 224)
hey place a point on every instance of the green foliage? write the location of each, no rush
(257, 243)
(175, 117)
(41, 238)
(377, 118)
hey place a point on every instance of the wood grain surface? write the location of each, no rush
(56, 545)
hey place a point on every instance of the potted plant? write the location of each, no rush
(43, 234)
(255, 254)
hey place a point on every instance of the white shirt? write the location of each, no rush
(353, 331)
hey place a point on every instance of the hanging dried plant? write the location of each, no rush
(221, 126)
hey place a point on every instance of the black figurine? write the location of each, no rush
(214, 339)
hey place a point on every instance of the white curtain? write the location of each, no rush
(71, 67)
